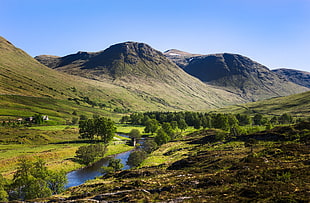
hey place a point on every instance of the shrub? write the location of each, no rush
(136, 158)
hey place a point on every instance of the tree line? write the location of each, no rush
(181, 120)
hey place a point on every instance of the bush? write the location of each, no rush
(149, 146)
(113, 166)
(136, 158)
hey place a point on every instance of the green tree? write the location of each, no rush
(182, 124)
(232, 120)
(151, 126)
(89, 153)
(149, 146)
(206, 121)
(136, 158)
(134, 135)
(113, 166)
(105, 129)
(243, 119)
(220, 121)
(285, 119)
(87, 129)
(169, 130)
(57, 181)
(259, 119)
(101, 127)
(125, 119)
(3, 193)
(34, 180)
(161, 137)
(174, 125)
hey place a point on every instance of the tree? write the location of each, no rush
(3, 194)
(34, 180)
(134, 134)
(168, 129)
(196, 123)
(206, 122)
(243, 119)
(151, 126)
(161, 137)
(285, 118)
(149, 146)
(174, 125)
(57, 181)
(87, 129)
(88, 154)
(136, 158)
(101, 127)
(125, 119)
(232, 120)
(182, 124)
(220, 121)
(259, 119)
(113, 166)
(105, 129)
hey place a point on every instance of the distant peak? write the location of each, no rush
(176, 52)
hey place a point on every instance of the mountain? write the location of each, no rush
(180, 58)
(28, 87)
(296, 76)
(241, 75)
(145, 71)
(297, 105)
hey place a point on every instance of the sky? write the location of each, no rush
(275, 33)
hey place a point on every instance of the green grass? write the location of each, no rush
(56, 145)
(54, 127)
(125, 128)
(297, 105)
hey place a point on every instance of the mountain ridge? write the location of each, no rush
(21, 74)
(296, 76)
(240, 75)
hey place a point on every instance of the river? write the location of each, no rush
(79, 177)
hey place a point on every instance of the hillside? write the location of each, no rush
(241, 75)
(296, 76)
(145, 71)
(297, 105)
(200, 168)
(27, 79)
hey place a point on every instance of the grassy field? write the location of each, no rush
(56, 145)
(58, 111)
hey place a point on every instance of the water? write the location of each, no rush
(79, 177)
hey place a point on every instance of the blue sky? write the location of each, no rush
(275, 33)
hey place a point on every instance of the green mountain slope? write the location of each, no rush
(146, 72)
(30, 81)
(297, 105)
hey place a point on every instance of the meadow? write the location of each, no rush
(56, 145)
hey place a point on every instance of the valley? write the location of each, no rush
(215, 128)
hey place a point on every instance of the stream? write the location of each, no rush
(80, 176)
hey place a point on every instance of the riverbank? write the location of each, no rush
(199, 168)
(55, 145)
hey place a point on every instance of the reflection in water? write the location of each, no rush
(78, 177)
